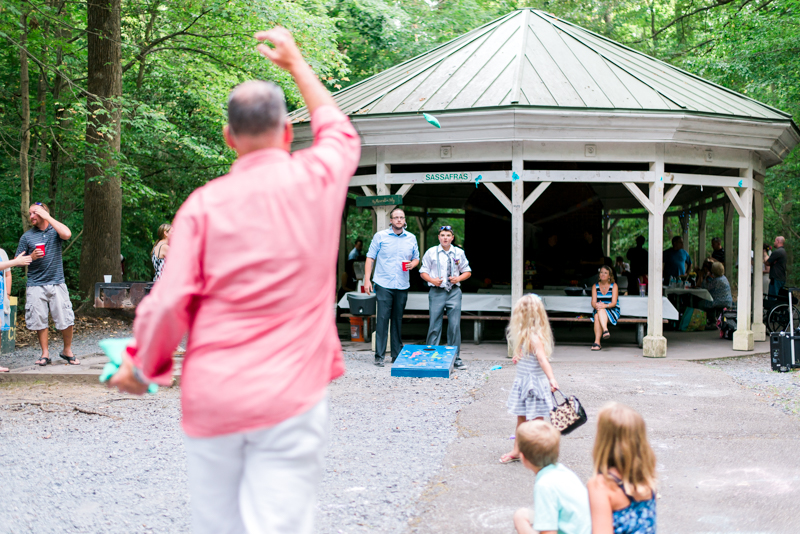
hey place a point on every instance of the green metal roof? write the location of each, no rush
(531, 58)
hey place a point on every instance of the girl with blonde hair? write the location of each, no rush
(532, 344)
(622, 493)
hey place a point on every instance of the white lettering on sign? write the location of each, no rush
(448, 176)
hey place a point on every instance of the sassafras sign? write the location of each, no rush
(448, 177)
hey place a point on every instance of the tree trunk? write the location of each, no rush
(102, 201)
(25, 129)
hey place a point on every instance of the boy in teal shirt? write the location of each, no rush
(560, 500)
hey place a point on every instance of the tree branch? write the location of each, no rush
(780, 216)
(149, 48)
(674, 21)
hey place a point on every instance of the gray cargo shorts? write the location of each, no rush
(55, 297)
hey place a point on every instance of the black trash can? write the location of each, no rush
(361, 303)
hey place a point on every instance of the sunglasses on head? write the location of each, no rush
(445, 228)
(38, 203)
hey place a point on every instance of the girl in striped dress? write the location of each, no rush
(532, 344)
(604, 302)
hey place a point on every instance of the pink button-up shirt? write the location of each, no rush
(251, 275)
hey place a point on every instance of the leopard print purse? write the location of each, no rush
(568, 415)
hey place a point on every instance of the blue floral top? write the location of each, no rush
(638, 518)
(720, 290)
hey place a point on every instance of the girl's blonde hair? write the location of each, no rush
(529, 321)
(621, 443)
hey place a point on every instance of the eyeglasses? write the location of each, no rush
(399, 218)
(445, 228)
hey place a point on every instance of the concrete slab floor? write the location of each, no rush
(727, 461)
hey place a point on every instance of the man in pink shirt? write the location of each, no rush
(256, 295)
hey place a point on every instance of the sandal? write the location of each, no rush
(71, 360)
(596, 345)
(606, 334)
(507, 459)
(43, 361)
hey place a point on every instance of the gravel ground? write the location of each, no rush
(781, 390)
(87, 333)
(63, 470)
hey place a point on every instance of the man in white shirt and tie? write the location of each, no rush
(444, 267)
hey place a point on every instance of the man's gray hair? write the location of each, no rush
(256, 107)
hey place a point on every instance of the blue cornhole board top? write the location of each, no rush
(425, 361)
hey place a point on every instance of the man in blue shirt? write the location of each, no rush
(396, 252)
(356, 252)
(676, 259)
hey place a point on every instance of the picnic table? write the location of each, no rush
(632, 309)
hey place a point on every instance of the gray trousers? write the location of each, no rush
(440, 300)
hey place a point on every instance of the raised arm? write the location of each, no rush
(63, 232)
(287, 56)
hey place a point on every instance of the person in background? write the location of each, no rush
(621, 267)
(637, 256)
(717, 252)
(444, 267)
(606, 308)
(590, 254)
(395, 251)
(5, 289)
(47, 288)
(676, 260)
(356, 252)
(777, 266)
(622, 492)
(560, 500)
(717, 285)
(254, 293)
(765, 269)
(160, 249)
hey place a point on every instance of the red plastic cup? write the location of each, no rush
(405, 265)
(40, 246)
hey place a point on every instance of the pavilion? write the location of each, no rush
(529, 102)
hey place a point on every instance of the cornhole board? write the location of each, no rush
(425, 361)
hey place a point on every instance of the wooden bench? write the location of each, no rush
(478, 325)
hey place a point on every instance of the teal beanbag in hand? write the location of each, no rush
(114, 348)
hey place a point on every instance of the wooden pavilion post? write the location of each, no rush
(701, 236)
(517, 222)
(728, 239)
(742, 201)
(759, 329)
(381, 170)
(342, 249)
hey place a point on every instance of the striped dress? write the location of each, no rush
(530, 394)
(158, 263)
(613, 313)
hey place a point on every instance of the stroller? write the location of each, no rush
(726, 323)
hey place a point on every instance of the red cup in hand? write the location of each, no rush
(40, 246)
(405, 265)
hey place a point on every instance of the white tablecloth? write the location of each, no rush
(472, 302)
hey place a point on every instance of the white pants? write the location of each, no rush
(259, 482)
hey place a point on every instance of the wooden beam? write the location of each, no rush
(364, 179)
(404, 189)
(759, 329)
(589, 176)
(727, 238)
(737, 202)
(641, 197)
(655, 344)
(517, 223)
(534, 195)
(709, 180)
(504, 200)
(669, 196)
(368, 191)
